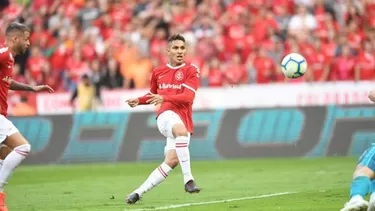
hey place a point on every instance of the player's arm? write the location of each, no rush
(14, 85)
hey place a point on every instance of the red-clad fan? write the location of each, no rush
(365, 64)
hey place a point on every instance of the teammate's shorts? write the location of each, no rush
(165, 123)
(368, 158)
(6, 128)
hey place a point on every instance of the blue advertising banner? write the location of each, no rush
(219, 134)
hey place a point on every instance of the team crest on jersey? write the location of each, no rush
(179, 76)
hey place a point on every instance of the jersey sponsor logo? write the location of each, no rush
(169, 86)
(179, 76)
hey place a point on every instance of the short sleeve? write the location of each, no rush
(193, 78)
(153, 83)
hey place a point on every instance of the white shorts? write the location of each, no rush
(6, 128)
(165, 122)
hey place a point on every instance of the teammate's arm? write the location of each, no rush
(14, 85)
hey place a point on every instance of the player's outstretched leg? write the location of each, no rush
(155, 178)
(361, 183)
(182, 150)
(21, 149)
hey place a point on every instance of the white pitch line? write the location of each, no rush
(211, 202)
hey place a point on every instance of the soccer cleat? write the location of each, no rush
(356, 204)
(3, 207)
(191, 187)
(132, 198)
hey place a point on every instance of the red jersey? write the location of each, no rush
(178, 86)
(6, 73)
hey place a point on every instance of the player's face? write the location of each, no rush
(176, 52)
(22, 42)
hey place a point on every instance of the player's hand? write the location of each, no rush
(133, 102)
(42, 88)
(155, 99)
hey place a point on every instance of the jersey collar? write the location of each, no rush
(177, 67)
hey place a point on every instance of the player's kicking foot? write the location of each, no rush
(3, 207)
(356, 203)
(132, 198)
(191, 187)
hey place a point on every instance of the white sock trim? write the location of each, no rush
(23, 149)
(182, 141)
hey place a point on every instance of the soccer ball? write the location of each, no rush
(294, 65)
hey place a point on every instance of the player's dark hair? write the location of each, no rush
(176, 37)
(13, 27)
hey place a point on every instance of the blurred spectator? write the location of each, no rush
(50, 77)
(76, 67)
(88, 14)
(235, 72)
(233, 41)
(138, 72)
(112, 77)
(265, 68)
(35, 63)
(302, 22)
(343, 66)
(365, 68)
(213, 73)
(319, 63)
(23, 108)
(85, 93)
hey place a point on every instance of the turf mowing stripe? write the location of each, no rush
(174, 206)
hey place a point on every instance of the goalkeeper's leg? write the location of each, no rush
(361, 183)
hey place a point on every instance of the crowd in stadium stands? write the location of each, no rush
(118, 42)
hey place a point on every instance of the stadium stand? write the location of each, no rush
(118, 42)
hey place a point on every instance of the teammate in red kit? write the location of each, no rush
(16, 43)
(173, 87)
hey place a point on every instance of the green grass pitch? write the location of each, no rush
(320, 184)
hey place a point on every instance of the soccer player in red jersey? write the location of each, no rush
(173, 87)
(16, 43)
